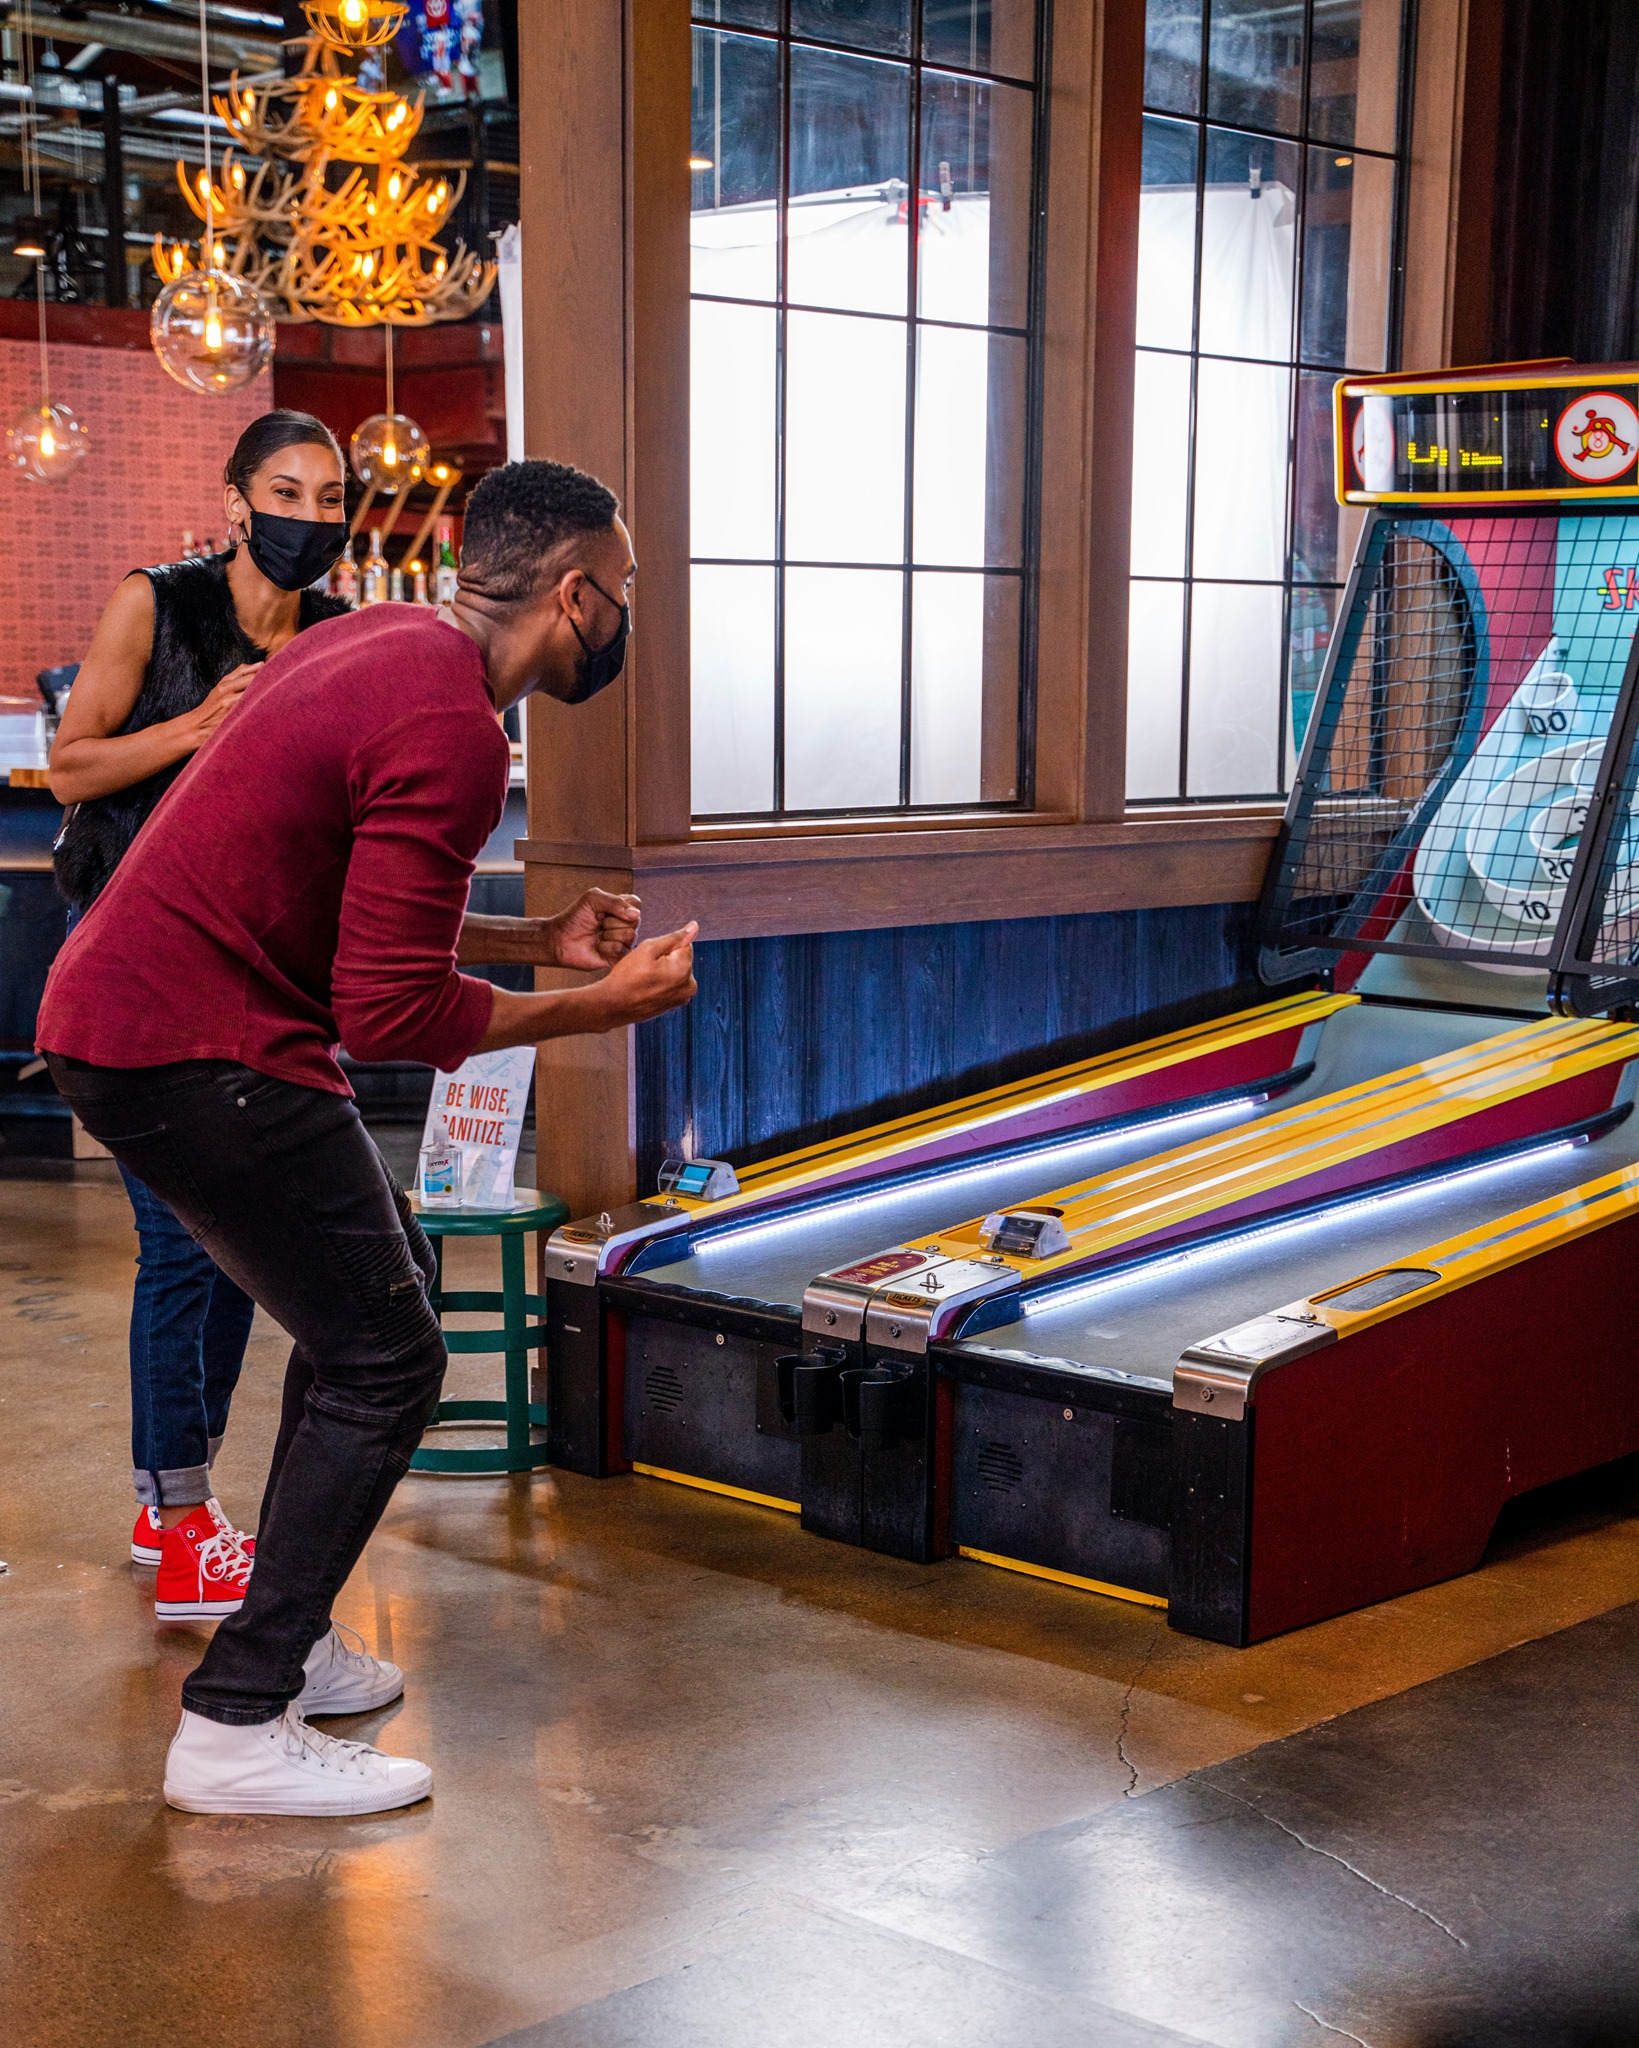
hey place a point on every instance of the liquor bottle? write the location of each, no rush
(444, 588)
(418, 572)
(189, 550)
(375, 570)
(395, 586)
(344, 578)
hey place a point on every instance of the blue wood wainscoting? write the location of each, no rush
(794, 1039)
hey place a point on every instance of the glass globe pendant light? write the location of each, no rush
(388, 451)
(47, 442)
(211, 331)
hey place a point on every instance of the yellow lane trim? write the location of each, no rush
(1514, 380)
(1212, 1173)
(1042, 1571)
(757, 1500)
(1452, 502)
(1491, 1247)
(792, 1171)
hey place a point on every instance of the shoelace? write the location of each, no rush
(220, 1554)
(329, 1752)
(218, 1515)
(348, 1646)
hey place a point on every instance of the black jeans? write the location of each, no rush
(284, 1188)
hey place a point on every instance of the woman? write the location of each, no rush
(170, 658)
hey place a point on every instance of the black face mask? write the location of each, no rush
(292, 553)
(599, 666)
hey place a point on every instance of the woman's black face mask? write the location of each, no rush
(599, 666)
(292, 553)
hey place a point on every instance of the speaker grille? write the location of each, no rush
(664, 1389)
(1000, 1467)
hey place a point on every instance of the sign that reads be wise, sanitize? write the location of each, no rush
(479, 1110)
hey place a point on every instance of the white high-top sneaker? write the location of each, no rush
(343, 1678)
(284, 1766)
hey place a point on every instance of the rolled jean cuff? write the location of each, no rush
(212, 1446)
(240, 1715)
(184, 1488)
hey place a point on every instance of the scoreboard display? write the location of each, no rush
(1505, 436)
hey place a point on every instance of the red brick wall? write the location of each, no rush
(154, 468)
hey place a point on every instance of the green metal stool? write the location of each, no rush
(517, 1336)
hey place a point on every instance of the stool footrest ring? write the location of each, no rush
(498, 1459)
(530, 1338)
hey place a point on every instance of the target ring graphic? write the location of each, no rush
(1597, 437)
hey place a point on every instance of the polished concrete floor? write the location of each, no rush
(703, 1780)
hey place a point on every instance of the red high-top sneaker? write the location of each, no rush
(203, 1569)
(147, 1538)
(246, 1543)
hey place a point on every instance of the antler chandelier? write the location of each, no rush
(313, 203)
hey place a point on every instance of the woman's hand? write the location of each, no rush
(91, 756)
(206, 717)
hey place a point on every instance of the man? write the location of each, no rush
(304, 885)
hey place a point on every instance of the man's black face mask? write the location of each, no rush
(599, 666)
(292, 553)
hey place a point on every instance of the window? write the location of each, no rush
(862, 239)
(1268, 249)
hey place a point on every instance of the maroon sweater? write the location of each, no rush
(303, 883)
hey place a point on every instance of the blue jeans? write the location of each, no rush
(189, 1326)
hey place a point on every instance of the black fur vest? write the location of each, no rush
(197, 639)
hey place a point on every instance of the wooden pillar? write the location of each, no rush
(1113, 167)
(604, 201)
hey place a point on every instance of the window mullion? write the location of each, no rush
(913, 243)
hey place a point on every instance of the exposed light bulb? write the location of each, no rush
(47, 443)
(389, 451)
(211, 330)
(352, 12)
(330, 99)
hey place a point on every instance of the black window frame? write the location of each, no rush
(1303, 140)
(1027, 574)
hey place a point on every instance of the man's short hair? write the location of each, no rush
(517, 518)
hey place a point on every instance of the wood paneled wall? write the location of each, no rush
(792, 1039)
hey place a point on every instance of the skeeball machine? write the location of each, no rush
(1451, 679)
(1138, 1384)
